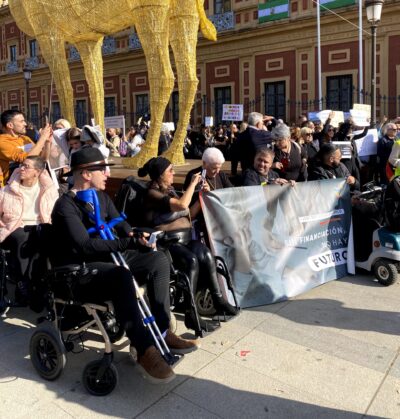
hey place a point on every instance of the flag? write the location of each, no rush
(273, 10)
(333, 4)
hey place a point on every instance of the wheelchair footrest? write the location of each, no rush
(224, 317)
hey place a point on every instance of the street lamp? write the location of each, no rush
(27, 77)
(374, 10)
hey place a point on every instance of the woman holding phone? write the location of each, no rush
(166, 210)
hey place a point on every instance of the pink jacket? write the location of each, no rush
(12, 202)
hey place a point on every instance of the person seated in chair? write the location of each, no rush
(213, 159)
(261, 172)
(166, 211)
(71, 222)
(329, 166)
(25, 202)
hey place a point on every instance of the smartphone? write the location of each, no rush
(153, 237)
(203, 175)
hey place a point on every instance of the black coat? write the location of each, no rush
(322, 171)
(249, 141)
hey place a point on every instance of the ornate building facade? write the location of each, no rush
(269, 66)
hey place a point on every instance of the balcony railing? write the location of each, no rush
(223, 21)
(12, 67)
(32, 62)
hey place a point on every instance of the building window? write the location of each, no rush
(275, 99)
(339, 93)
(142, 105)
(34, 114)
(81, 113)
(222, 96)
(33, 48)
(109, 106)
(13, 53)
(55, 111)
(222, 6)
(175, 107)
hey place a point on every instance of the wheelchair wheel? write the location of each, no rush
(204, 302)
(116, 333)
(103, 386)
(48, 354)
(386, 272)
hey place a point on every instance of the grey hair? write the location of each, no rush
(63, 122)
(212, 155)
(280, 131)
(255, 118)
(164, 128)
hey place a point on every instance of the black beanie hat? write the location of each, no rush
(155, 167)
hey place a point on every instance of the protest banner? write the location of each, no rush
(115, 122)
(232, 112)
(277, 241)
(368, 145)
(363, 107)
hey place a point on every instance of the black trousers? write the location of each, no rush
(23, 244)
(115, 283)
(196, 260)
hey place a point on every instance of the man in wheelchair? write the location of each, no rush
(74, 245)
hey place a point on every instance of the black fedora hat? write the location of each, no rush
(85, 158)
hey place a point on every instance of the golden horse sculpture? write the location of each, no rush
(84, 23)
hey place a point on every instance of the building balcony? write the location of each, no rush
(109, 45)
(134, 41)
(12, 67)
(223, 21)
(32, 62)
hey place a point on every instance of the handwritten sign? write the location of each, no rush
(232, 112)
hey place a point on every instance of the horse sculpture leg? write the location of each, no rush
(91, 56)
(152, 26)
(184, 24)
(53, 51)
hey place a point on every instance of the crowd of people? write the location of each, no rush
(266, 150)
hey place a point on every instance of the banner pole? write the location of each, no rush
(319, 57)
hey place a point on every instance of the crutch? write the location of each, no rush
(92, 207)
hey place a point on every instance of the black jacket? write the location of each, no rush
(73, 243)
(249, 141)
(251, 177)
(322, 171)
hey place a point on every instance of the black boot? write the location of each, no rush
(222, 306)
(205, 326)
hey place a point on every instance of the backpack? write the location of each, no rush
(392, 205)
(130, 200)
(123, 148)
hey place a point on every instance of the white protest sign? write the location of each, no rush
(367, 146)
(115, 122)
(209, 121)
(337, 119)
(232, 112)
(362, 107)
(360, 117)
(323, 116)
(345, 148)
(170, 125)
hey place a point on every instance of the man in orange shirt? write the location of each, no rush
(15, 146)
